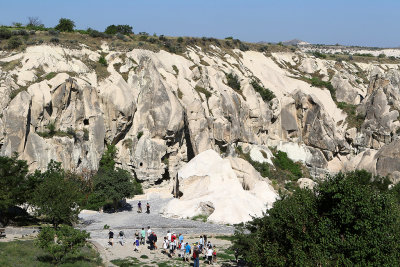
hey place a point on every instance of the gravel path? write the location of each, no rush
(130, 221)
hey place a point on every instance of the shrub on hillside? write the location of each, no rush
(65, 25)
(233, 81)
(266, 94)
(5, 33)
(317, 82)
(102, 60)
(14, 42)
(282, 162)
(319, 55)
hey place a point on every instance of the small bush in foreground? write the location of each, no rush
(62, 242)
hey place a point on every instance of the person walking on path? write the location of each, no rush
(181, 239)
(148, 233)
(201, 244)
(121, 237)
(111, 238)
(148, 208)
(169, 235)
(165, 245)
(143, 236)
(136, 244)
(196, 256)
(209, 255)
(187, 252)
(155, 240)
(139, 206)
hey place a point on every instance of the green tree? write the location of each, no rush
(348, 220)
(114, 185)
(65, 25)
(114, 29)
(57, 197)
(61, 242)
(12, 184)
(107, 160)
(111, 185)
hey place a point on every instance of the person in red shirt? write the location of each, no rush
(173, 237)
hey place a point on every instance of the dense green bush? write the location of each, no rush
(348, 220)
(5, 33)
(62, 242)
(103, 61)
(282, 162)
(65, 25)
(266, 94)
(233, 81)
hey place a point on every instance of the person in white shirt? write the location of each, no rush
(169, 236)
(201, 243)
(148, 232)
(165, 244)
(209, 255)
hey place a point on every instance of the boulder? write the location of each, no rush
(306, 183)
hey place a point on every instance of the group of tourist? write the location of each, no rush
(172, 244)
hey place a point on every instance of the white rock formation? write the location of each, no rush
(208, 178)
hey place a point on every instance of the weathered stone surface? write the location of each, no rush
(306, 183)
(161, 109)
(388, 159)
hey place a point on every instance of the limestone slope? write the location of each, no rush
(162, 109)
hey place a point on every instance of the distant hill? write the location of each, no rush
(295, 42)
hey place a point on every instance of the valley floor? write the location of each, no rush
(129, 221)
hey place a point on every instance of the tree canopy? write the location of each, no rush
(57, 197)
(349, 219)
(65, 25)
(110, 184)
(61, 242)
(114, 29)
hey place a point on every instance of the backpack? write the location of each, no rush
(121, 233)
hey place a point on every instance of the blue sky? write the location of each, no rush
(351, 22)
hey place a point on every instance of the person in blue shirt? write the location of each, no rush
(187, 252)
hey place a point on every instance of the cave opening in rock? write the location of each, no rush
(86, 122)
